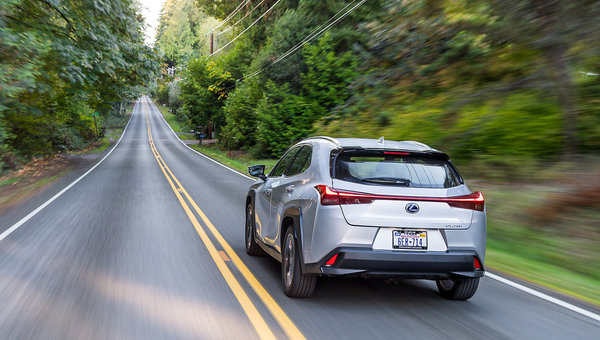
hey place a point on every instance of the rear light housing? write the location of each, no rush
(329, 196)
(473, 201)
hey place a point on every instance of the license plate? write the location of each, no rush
(407, 239)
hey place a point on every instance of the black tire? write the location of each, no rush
(252, 248)
(295, 284)
(458, 289)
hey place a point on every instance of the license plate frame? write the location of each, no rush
(401, 239)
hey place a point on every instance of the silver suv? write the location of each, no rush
(368, 208)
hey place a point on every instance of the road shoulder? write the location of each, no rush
(39, 180)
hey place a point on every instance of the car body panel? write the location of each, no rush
(262, 207)
(392, 213)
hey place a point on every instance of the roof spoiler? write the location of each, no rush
(432, 152)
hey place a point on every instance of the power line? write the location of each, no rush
(312, 36)
(244, 17)
(247, 28)
(235, 11)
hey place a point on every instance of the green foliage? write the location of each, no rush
(182, 30)
(504, 129)
(162, 93)
(62, 128)
(589, 101)
(282, 35)
(61, 60)
(328, 74)
(283, 118)
(461, 76)
(458, 76)
(203, 92)
(240, 115)
(324, 86)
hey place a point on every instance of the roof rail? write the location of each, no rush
(330, 139)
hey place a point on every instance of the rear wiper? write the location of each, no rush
(387, 180)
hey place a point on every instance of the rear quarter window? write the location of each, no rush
(413, 170)
(301, 162)
(284, 163)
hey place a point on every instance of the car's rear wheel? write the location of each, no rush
(458, 289)
(252, 248)
(295, 284)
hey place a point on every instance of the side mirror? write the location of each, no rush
(257, 171)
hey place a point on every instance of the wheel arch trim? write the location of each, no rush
(295, 213)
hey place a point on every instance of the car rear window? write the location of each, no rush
(396, 168)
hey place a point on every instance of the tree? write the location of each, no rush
(62, 60)
(240, 115)
(203, 92)
(328, 75)
(283, 118)
(181, 33)
(554, 29)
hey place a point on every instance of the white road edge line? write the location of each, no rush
(196, 151)
(487, 274)
(53, 198)
(544, 296)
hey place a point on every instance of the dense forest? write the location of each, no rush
(62, 61)
(478, 79)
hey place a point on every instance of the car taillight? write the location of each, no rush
(396, 153)
(474, 201)
(329, 196)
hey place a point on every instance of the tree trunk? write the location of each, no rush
(565, 92)
(549, 14)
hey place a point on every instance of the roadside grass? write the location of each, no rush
(542, 273)
(176, 125)
(26, 190)
(113, 132)
(240, 162)
(97, 147)
(561, 255)
(8, 181)
(38, 173)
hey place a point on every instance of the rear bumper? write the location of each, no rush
(402, 264)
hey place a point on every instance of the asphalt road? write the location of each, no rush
(125, 254)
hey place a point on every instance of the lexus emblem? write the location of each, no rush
(412, 208)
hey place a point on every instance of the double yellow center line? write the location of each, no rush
(263, 330)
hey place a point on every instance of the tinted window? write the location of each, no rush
(284, 162)
(301, 162)
(377, 168)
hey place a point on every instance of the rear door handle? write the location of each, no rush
(268, 192)
(290, 189)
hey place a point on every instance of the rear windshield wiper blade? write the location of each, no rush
(387, 180)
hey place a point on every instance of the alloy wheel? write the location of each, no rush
(289, 260)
